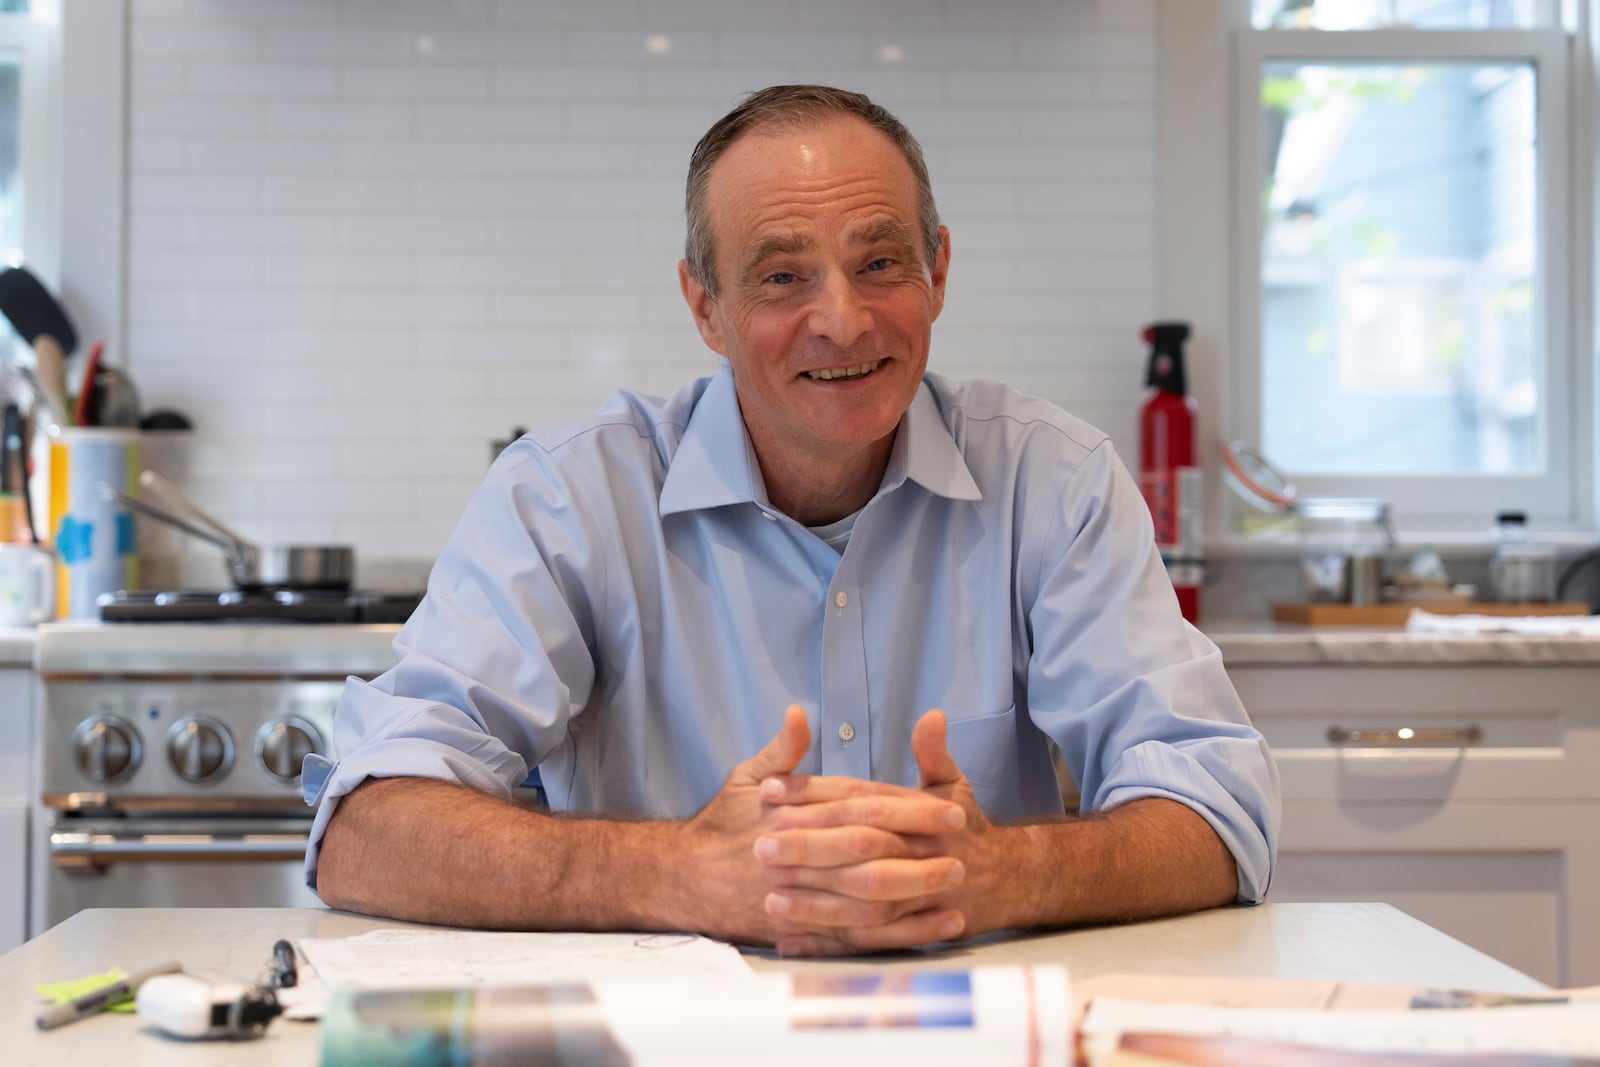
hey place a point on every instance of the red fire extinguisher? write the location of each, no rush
(1169, 476)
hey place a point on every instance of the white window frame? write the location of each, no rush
(37, 38)
(1562, 497)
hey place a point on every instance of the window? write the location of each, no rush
(1406, 300)
(28, 195)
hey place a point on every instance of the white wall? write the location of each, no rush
(367, 236)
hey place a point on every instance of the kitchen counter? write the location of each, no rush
(16, 645)
(1251, 643)
(1355, 942)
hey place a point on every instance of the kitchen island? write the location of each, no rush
(1355, 942)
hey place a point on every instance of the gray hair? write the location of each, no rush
(791, 107)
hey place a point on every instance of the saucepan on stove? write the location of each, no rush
(252, 565)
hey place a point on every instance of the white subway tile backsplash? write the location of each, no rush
(579, 153)
(721, 85)
(189, 266)
(335, 42)
(452, 122)
(482, 272)
(401, 304)
(416, 81)
(257, 155)
(898, 45)
(355, 270)
(154, 37)
(260, 79)
(791, 46)
(501, 344)
(368, 236)
(567, 83)
(320, 196)
(569, 12)
(643, 45)
(160, 190)
(501, 45)
(253, 305)
(1020, 85)
(413, 157)
(335, 118)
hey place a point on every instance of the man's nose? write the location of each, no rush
(840, 312)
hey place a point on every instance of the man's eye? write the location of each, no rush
(783, 277)
(883, 263)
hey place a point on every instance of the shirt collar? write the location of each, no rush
(715, 464)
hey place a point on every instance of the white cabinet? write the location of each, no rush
(1467, 796)
(17, 709)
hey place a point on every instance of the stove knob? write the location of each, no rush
(201, 749)
(282, 745)
(107, 748)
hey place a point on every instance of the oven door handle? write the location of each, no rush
(76, 849)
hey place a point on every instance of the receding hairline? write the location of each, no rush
(783, 124)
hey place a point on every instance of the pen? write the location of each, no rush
(284, 972)
(101, 999)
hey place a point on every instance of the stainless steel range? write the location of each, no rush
(170, 759)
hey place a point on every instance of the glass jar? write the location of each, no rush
(1520, 571)
(1342, 541)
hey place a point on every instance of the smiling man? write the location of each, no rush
(718, 624)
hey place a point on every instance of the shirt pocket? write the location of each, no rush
(985, 748)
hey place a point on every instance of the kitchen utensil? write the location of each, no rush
(115, 400)
(36, 316)
(86, 405)
(52, 379)
(251, 565)
(33, 311)
(165, 419)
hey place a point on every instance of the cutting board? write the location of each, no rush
(1396, 614)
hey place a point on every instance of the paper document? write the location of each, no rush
(998, 1016)
(414, 959)
(1290, 994)
(1564, 1030)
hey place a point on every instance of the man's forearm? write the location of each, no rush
(1144, 859)
(432, 851)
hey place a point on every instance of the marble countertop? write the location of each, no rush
(1244, 642)
(1249, 642)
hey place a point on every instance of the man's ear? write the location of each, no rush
(940, 271)
(703, 306)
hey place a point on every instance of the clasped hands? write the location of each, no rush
(821, 865)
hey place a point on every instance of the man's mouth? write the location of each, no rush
(860, 370)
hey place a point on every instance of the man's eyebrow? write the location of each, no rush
(889, 231)
(775, 245)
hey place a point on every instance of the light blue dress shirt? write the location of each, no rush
(621, 608)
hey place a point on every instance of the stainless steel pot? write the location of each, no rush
(252, 565)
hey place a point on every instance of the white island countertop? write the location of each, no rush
(1353, 942)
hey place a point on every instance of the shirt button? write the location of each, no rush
(840, 599)
(846, 732)
(769, 516)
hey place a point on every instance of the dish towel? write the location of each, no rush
(1425, 622)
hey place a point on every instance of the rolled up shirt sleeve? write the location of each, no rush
(495, 660)
(1136, 698)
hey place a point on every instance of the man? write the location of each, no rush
(630, 604)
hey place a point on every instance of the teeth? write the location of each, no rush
(848, 372)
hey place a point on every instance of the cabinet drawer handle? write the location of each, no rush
(1406, 735)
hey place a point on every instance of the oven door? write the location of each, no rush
(125, 861)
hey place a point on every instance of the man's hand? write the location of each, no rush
(841, 902)
(887, 839)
